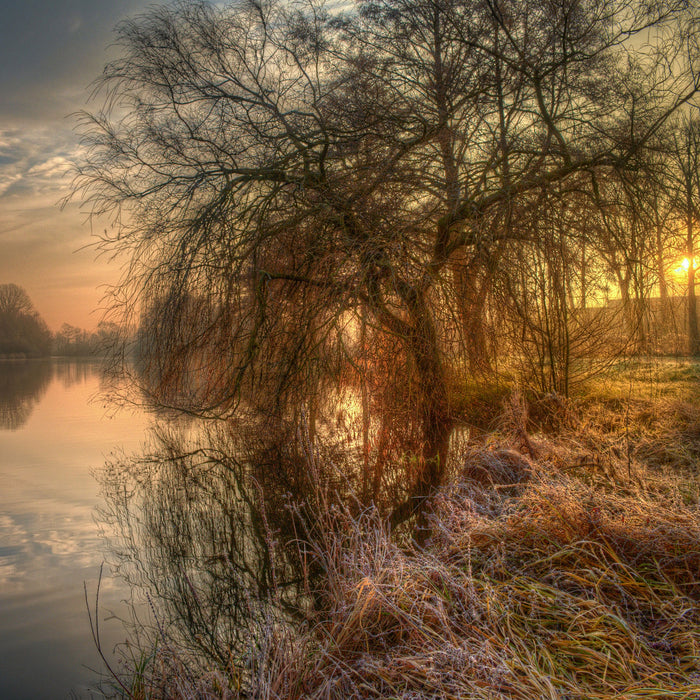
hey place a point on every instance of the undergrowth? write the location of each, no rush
(566, 568)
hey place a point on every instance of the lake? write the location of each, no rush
(201, 519)
(55, 431)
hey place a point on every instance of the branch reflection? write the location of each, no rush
(213, 525)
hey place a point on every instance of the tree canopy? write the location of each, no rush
(310, 197)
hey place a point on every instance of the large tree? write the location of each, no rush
(15, 300)
(282, 175)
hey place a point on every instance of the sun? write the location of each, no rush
(685, 265)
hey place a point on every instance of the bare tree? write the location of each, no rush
(15, 300)
(23, 332)
(546, 326)
(300, 172)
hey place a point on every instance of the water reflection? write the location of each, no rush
(70, 373)
(215, 523)
(49, 543)
(210, 525)
(23, 383)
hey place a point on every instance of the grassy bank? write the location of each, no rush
(563, 562)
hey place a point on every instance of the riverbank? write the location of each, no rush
(563, 566)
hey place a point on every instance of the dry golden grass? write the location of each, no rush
(560, 591)
(571, 572)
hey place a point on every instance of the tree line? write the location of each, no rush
(24, 333)
(394, 198)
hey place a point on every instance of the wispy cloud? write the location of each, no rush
(35, 161)
(56, 167)
(50, 50)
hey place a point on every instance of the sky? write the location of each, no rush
(50, 52)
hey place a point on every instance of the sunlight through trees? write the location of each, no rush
(464, 181)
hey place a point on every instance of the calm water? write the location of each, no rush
(54, 431)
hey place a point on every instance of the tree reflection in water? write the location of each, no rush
(75, 371)
(22, 385)
(213, 526)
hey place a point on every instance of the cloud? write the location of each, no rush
(7, 182)
(50, 50)
(56, 166)
(36, 162)
(42, 247)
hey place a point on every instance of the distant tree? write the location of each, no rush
(15, 300)
(107, 332)
(22, 331)
(70, 340)
(78, 342)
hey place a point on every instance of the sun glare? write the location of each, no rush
(685, 265)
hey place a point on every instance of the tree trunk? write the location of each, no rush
(584, 276)
(472, 282)
(693, 333)
(660, 269)
(434, 413)
(364, 393)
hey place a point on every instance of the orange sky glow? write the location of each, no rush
(50, 51)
